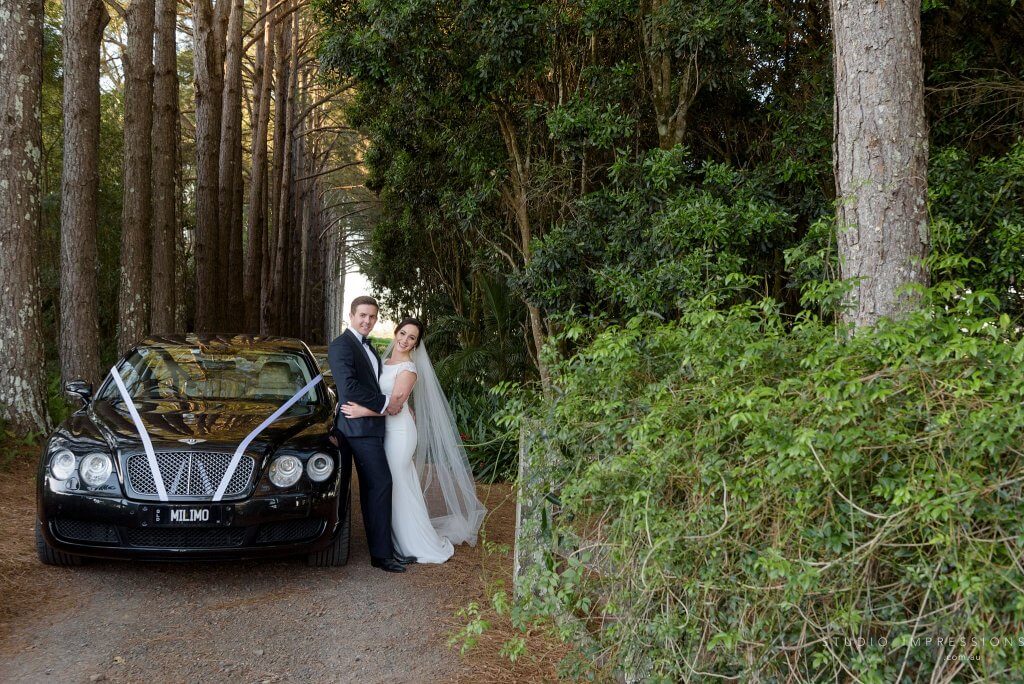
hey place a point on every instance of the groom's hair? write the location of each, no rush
(363, 299)
(412, 321)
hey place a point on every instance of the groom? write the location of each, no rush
(356, 368)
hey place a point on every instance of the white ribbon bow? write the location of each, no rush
(154, 467)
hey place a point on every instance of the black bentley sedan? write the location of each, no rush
(201, 447)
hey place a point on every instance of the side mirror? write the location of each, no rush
(78, 390)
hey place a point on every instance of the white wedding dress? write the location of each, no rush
(411, 529)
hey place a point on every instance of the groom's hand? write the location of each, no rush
(393, 409)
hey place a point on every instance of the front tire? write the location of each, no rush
(336, 554)
(51, 556)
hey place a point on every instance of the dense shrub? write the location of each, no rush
(754, 496)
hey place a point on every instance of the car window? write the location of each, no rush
(193, 373)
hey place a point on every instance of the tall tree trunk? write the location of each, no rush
(133, 296)
(337, 266)
(230, 168)
(297, 189)
(84, 21)
(209, 83)
(255, 247)
(165, 159)
(283, 147)
(269, 313)
(881, 155)
(22, 382)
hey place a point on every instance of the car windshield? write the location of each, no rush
(321, 360)
(191, 372)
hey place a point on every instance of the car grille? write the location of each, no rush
(80, 530)
(289, 530)
(189, 474)
(186, 537)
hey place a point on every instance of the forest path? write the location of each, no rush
(239, 622)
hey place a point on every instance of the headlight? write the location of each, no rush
(285, 471)
(62, 464)
(319, 467)
(95, 469)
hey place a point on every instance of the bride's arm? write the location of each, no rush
(354, 410)
(403, 388)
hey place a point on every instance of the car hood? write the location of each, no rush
(222, 423)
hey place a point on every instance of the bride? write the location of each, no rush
(434, 503)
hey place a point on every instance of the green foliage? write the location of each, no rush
(978, 212)
(744, 493)
(666, 229)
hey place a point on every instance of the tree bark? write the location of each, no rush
(209, 84)
(516, 201)
(255, 247)
(671, 94)
(165, 159)
(282, 217)
(22, 381)
(281, 90)
(337, 264)
(134, 293)
(84, 21)
(881, 155)
(230, 170)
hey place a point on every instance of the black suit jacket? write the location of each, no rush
(356, 381)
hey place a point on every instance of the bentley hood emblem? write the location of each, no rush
(190, 441)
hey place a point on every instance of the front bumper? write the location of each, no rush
(257, 527)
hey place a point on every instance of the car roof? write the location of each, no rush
(226, 342)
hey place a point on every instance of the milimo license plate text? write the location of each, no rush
(167, 515)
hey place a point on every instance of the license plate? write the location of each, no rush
(187, 516)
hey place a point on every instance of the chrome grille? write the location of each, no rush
(189, 474)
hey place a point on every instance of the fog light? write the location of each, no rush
(62, 464)
(95, 469)
(285, 471)
(319, 467)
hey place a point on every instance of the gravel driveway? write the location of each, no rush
(240, 622)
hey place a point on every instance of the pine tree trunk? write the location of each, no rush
(165, 158)
(209, 83)
(283, 147)
(338, 266)
(881, 155)
(236, 264)
(22, 381)
(269, 321)
(255, 247)
(134, 293)
(79, 213)
(230, 169)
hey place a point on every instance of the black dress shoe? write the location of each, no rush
(387, 564)
(405, 560)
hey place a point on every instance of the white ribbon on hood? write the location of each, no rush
(154, 467)
(255, 433)
(143, 435)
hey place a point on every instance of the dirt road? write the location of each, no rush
(241, 622)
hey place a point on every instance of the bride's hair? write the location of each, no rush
(412, 321)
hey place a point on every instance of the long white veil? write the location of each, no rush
(449, 489)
